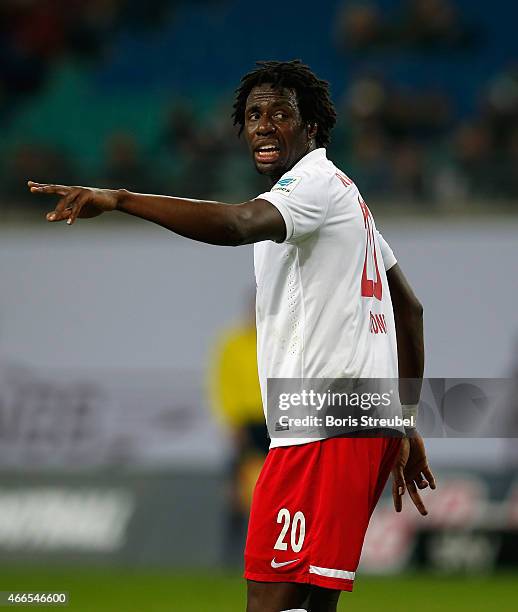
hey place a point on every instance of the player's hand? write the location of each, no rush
(77, 202)
(411, 472)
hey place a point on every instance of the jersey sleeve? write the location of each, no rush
(389, 259)
(303, 201)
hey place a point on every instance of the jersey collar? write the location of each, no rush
(310, 158)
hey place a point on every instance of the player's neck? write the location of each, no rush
(274, 178)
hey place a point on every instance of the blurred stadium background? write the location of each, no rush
(118, 479)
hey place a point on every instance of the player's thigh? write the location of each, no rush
(280, 596)
(323, 600)
(275, 596)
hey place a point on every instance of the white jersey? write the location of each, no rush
(323, 302)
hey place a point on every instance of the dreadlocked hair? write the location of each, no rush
(313, 96)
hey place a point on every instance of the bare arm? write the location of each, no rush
(411, 470)
(408, 316)
(211, 222)
(205, 221)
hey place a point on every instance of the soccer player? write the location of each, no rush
(331, 302)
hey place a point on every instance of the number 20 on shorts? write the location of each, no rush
(297, 532)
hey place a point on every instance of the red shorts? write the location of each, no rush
(311, 508)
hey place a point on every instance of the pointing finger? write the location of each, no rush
(61, 190)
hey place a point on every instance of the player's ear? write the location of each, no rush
(312, 130)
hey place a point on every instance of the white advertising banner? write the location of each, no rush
(87, 419)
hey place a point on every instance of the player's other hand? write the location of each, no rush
(411, 472)
(77, 202)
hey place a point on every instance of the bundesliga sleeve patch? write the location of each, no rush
(286, 185)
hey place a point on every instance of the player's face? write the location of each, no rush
(274, 130)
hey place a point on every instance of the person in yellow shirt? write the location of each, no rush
(236, 399)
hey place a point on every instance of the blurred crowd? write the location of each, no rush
(36, 33)
(399, 143)
(412, 144)
(408, 145)
(191, 158)
(414, 24)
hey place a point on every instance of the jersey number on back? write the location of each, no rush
(370, 287)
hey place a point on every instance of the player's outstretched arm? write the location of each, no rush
(411, 470)
(205, 221)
